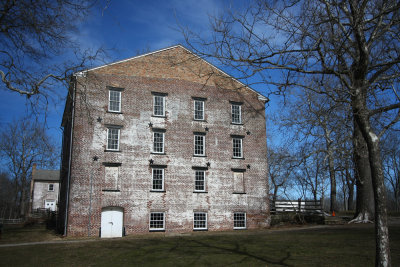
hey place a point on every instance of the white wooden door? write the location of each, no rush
(112, 222)
(50, 204)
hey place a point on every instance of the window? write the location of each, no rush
(199, 144)
(157, 221)
(200, 181)
(238, 182)
(158, 179)
(198, 110)
(113, 139)
(114, 104)
(51, 187)
(236, 114)
(158, 142)
(239, 220)
(237, 147)
(200, 221)
(159, 105)
(111, 177)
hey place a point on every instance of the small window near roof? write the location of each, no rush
(236, 114)
(199, 110)
(159, 105)
(51, 187)
(114, 104)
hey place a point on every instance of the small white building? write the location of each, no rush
(44, 189)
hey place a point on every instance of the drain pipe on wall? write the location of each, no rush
(90, 200)
(70, 158)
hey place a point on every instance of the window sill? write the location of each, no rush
(156, 230)
(111, 190)
(233, 123)
(159, 116)
(108, 150)
(199, 120)
(157, 191)
(237, 158)
(157, 153)
(239, 193)
(114, 112)
(239, 228)
(200, 192)
(200, 229)
(200, 156)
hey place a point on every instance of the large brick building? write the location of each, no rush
(162, 142)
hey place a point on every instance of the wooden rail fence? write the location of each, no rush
(303, 206)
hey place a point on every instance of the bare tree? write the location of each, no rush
(312, 174)
(319, 123)
(22, 144)
(391, 163)
(38, 50)
(346, 169)
(354, 43)
(6, 195)
(281, 165)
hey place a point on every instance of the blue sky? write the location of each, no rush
(127, 28)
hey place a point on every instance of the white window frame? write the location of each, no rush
(234, 148)
(194, 221)
(195, 110)
(234, 220)
(203, 137)
(48, 187)
(233, 115)
(163, 221)
(163, 105)
(109, 100)
(108, 139)
(162, 179)
(195, 181)
(163, 142)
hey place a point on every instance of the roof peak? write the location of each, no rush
(260, 96)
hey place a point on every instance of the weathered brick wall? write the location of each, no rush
(176, 73)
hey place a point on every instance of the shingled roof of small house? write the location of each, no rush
(46, 175)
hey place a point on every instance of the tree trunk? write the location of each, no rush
(361, 116)
(275, 194)
(350, 187)
(350, 200)
(365, 194)
(23, 196)
(332, 179)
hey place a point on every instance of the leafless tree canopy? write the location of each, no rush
(38, 47)
(352, 44)
(23, 143)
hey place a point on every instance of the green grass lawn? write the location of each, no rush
(349, 245)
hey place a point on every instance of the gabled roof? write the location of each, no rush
(260, 96)
(46, 175)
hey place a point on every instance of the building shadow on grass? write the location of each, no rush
(243, 252)
(212, 252)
